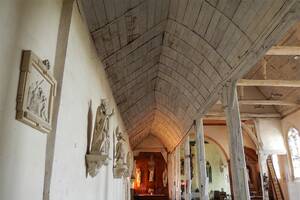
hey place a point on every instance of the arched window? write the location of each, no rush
(294, 147)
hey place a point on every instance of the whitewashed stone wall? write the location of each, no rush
(29, 24)
(33, 25)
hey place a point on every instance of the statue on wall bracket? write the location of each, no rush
(129, 164)
(120, 166)
(98, 152)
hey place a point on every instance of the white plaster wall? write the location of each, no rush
(33, 24)
(214, 156)
(84, 80)
(151, 144)
(270, 132)
(219, 134)
(30, 24)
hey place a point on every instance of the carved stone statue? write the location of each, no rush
(151, 174)
(120, 150)
(120, 166)
(98, 153)
(151, 168)
(165, 177)
(100, 141)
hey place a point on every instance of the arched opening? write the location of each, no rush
(150, 171)
(217, 169)
(253, 172)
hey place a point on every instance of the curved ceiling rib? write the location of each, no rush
(166, 60)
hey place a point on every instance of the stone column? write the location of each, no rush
(236, 147)
(201, 159)
(187, 169)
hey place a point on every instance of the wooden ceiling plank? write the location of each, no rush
(110, 9)
(150, 13)
(100, 12)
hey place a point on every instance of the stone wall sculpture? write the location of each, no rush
(98, 152)
(120, 165)
(129, 164)
(36, 92)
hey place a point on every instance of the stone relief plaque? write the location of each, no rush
(98, 153)
(36, 92)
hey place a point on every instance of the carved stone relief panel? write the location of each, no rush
(36, 92)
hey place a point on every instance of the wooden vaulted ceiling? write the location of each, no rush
(166, 60)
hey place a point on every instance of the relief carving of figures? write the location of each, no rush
(37, 100)
(36, 93)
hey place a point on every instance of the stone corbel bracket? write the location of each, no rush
(95, 162)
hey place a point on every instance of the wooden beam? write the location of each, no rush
(271, 83)
(284, 51)
(236, 147)
(221, 115)
(201, 159)
(266, 102)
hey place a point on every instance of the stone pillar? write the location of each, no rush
(236, 147)
(187, 169)
(201, 159)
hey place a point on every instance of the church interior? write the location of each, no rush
(150, 99)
